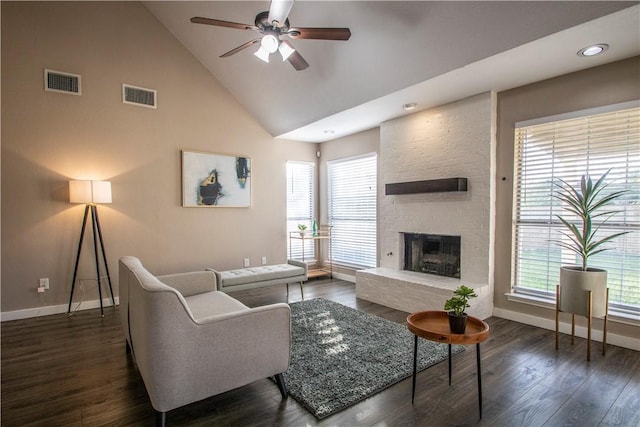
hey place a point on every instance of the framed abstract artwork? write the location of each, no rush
(215, 180)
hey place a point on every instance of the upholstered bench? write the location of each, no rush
(266, 275)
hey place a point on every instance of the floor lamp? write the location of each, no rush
(90, 193)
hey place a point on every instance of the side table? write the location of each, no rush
(434, 326)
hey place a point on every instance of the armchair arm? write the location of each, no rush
(192, 283)
(218, 278)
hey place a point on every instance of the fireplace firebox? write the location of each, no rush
(432, 254)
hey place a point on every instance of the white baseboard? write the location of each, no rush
(54, 309)
(565, 328)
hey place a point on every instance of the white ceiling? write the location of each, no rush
(400, 52)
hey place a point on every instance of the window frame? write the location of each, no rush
(310, 254)
(521, 292)
(365, 234)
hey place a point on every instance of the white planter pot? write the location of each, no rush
(574, 287)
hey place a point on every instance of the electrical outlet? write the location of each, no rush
(44, 283)
(264, 260)
(246, 262)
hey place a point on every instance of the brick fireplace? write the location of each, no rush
(454, 140)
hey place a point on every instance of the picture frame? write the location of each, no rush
(215, 180)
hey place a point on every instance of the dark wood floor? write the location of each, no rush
(60, 371)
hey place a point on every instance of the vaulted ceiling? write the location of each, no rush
(400, 52)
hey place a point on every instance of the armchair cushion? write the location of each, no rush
(205, 305)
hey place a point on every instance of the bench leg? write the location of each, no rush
(301, 291)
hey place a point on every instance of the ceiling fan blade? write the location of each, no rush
(219, 23)
(279, 11)
(297, 61)
(320, 33)
(239, 48)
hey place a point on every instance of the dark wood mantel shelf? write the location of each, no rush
(428, 186)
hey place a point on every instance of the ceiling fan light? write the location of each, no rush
(286, 50)
(269, 43)
(262, 54)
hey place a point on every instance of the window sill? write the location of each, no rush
(614, 315)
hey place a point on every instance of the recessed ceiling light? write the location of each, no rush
(410, 106)
(593, 50)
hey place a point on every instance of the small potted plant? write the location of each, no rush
(302, 229)
(456, 306)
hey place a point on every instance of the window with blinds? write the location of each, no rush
(567, 148)
(352, 210)
(300, 207)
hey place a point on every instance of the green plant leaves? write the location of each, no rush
(585, 203)
(460, 300)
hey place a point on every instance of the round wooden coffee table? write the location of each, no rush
(434, 326)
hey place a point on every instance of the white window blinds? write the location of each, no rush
(300, 206)
(567, 149)
(352, 210)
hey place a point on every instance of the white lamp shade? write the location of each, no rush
(89, 191)
(101, 191)
(262, 54)
(286, 50)
(80, 191)
(269, 43)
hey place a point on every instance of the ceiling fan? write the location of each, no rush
(273, 25)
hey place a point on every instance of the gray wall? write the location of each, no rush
(50, 138)
(604, 85)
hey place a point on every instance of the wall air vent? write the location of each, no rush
(139, 96)
(59, 81)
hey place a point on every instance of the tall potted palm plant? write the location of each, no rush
(588, 202)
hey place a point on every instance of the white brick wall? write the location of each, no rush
(410, 291)
(454, 140)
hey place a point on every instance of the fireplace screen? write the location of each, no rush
(432, 254)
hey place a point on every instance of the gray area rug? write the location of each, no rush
(340, 356)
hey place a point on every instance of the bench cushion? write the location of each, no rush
(260, 274)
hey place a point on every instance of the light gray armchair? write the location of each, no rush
(191, 342)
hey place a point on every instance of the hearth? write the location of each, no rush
(432, 254)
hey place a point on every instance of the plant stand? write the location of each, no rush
(323, 234)
(589, 317)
